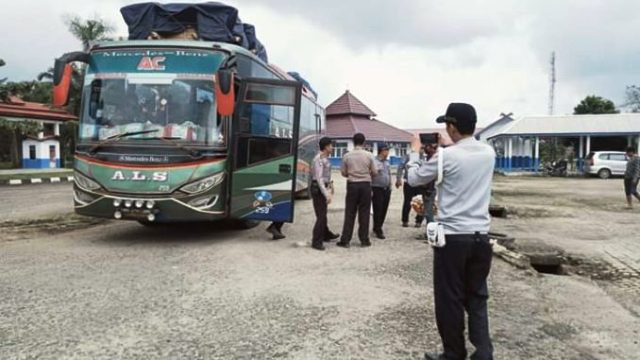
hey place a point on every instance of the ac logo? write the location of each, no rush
(148, 63)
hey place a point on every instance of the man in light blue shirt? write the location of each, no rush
(461, 267)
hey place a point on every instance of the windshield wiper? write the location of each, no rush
(172, 140)
(117, 137)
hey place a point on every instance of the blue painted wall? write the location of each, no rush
(38, 163)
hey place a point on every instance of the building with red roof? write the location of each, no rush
(347, 115)
(43, 150)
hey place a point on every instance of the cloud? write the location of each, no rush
(420, 23)
(406, 59)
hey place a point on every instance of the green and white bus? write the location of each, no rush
(178, 131)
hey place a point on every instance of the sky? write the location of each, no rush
(406, 59)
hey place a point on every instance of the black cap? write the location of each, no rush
(460, 114)
(382, 147)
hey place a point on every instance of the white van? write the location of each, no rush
(606, 163)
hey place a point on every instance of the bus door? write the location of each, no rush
(265, 138)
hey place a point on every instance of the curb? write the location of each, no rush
(51, 180)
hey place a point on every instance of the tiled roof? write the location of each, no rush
(347, 104)
(19, 108)
(344, 127)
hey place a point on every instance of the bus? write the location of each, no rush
(181, 131)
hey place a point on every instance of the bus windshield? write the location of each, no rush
(151, 103)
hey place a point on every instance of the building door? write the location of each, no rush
(52, 156)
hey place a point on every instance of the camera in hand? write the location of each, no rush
(429, 138)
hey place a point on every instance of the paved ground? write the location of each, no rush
(120, 290)
(35, 201)
(583, 217)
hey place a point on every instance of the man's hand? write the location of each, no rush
(416, 144)
(329, 198)
(398, 184)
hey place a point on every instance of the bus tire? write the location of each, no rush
(246, 224)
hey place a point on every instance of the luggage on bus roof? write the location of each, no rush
(212, 21)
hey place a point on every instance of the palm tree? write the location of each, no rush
(89, 30)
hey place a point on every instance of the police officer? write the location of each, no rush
(381, 190)
(358, 168)
(461, 267)
(322, 194)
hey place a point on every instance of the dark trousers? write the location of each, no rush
(460, 271)
(409, 192)
(358, 202)
(321, 230)
(380, 202)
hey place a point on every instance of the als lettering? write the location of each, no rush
(152, 63)
(138, 177)
(118, 176)
(160, 176)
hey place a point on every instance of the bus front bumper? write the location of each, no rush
(203, 207)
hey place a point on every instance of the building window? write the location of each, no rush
(339, 149)
(401, 151)
(32, 152)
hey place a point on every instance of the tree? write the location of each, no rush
(632, 102)
(16, 130)
(595, 105)
(89, 30)
(4, 95)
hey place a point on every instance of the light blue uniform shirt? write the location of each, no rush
(465, 191)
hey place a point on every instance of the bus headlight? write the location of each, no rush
(84, 182)
(203, 184)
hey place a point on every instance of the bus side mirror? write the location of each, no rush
(61, 83)
(225, 92)
(62, 72)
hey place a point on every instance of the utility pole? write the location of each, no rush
(552, 81)
(552, 94)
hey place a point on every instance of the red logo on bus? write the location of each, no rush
(152, 63)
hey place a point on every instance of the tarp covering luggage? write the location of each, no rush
(211, 21)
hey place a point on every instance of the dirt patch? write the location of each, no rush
(23, 229)
(536, 212)
(597, 269)
(559, 331)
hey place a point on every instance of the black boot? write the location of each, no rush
(277, 235)
(331, 236)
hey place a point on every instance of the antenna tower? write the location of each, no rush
(552, 85)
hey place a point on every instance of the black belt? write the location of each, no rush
(477, 236)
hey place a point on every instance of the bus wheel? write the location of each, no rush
(245, 224)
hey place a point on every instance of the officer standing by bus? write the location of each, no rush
(358, 168)
(461, 266)
(381, 190)
(322, 194)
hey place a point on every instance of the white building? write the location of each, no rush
(42, 150)
(517, 141)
